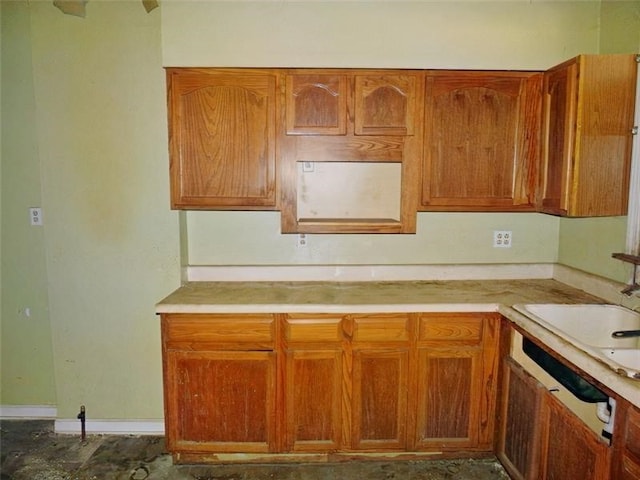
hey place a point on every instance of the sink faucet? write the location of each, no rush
(625, 333)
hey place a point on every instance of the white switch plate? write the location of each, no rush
(35, 214)
(502, 238)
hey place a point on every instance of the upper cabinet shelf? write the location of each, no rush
(363, 150)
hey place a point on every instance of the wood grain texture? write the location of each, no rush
(378, 120)
(569, 448)
(588, 118)
(221, 401)
(519, 438)
(626, 442)
(481, 140)
(313, 389)
(379, 399)
(222, 130)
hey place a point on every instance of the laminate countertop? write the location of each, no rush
(362, 297)
(405, 296)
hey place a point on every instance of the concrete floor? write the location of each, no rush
(30, 450)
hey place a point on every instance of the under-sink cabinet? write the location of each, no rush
(296, 384)
(541, 438)
(626, 442)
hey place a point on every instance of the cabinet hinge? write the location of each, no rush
(637, 58)
(634, 130)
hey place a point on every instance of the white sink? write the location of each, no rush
(589, 327)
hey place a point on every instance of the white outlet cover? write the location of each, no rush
(502, 238)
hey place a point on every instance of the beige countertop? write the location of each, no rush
(403, 296)
(362, 297)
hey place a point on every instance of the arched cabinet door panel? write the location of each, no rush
(222, 128)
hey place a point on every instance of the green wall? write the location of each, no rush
(85, 99)
(84, 136)
(27, 357)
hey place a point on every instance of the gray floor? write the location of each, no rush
(30, 450)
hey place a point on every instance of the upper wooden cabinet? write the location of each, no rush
(587, 128)
(222, 131)
(481, 140)
(350, 150)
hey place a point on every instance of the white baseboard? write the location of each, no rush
(110, 427)
(31, 412)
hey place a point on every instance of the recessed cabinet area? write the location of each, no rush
(363, 150)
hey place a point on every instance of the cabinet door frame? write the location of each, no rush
(173, 409)
(261, 85)
(521, 159)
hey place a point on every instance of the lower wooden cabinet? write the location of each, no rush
(224, 401)
(540, 438)
(626, 442)
(302, 383)
(569, 448)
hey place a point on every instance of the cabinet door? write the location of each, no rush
(626, 442)
(560, 96)
(379, 399)
(316, 104)
(380, 362)
(385, 104)
(482, 133)
(313, 382)
(222, 127)
(588, 122)
(569, 448)
(220, 401)
(457, 370)
(519, 437)
(313, 393)
(449, 386)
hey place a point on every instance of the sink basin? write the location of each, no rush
(589, 327)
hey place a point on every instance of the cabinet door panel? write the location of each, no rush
(570, 449)
(379, 399)
(519, 442)
(385, 104)
(559, 96)
(222, 139)
(481, 139)
(316, 104)
(313, 400)
(220, 401)
(448, 397)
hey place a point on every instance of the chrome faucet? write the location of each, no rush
(625, 333)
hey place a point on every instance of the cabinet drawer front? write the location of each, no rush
(451, 328)
(313, 329)
(380, 328)
(222, 331)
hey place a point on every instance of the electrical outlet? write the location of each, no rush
(502, 238)
(307, 167)
(35, 214)
(302, 240)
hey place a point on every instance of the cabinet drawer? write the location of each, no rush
(313, 329)
(380, 328)
(465, 329)
(204, 331)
